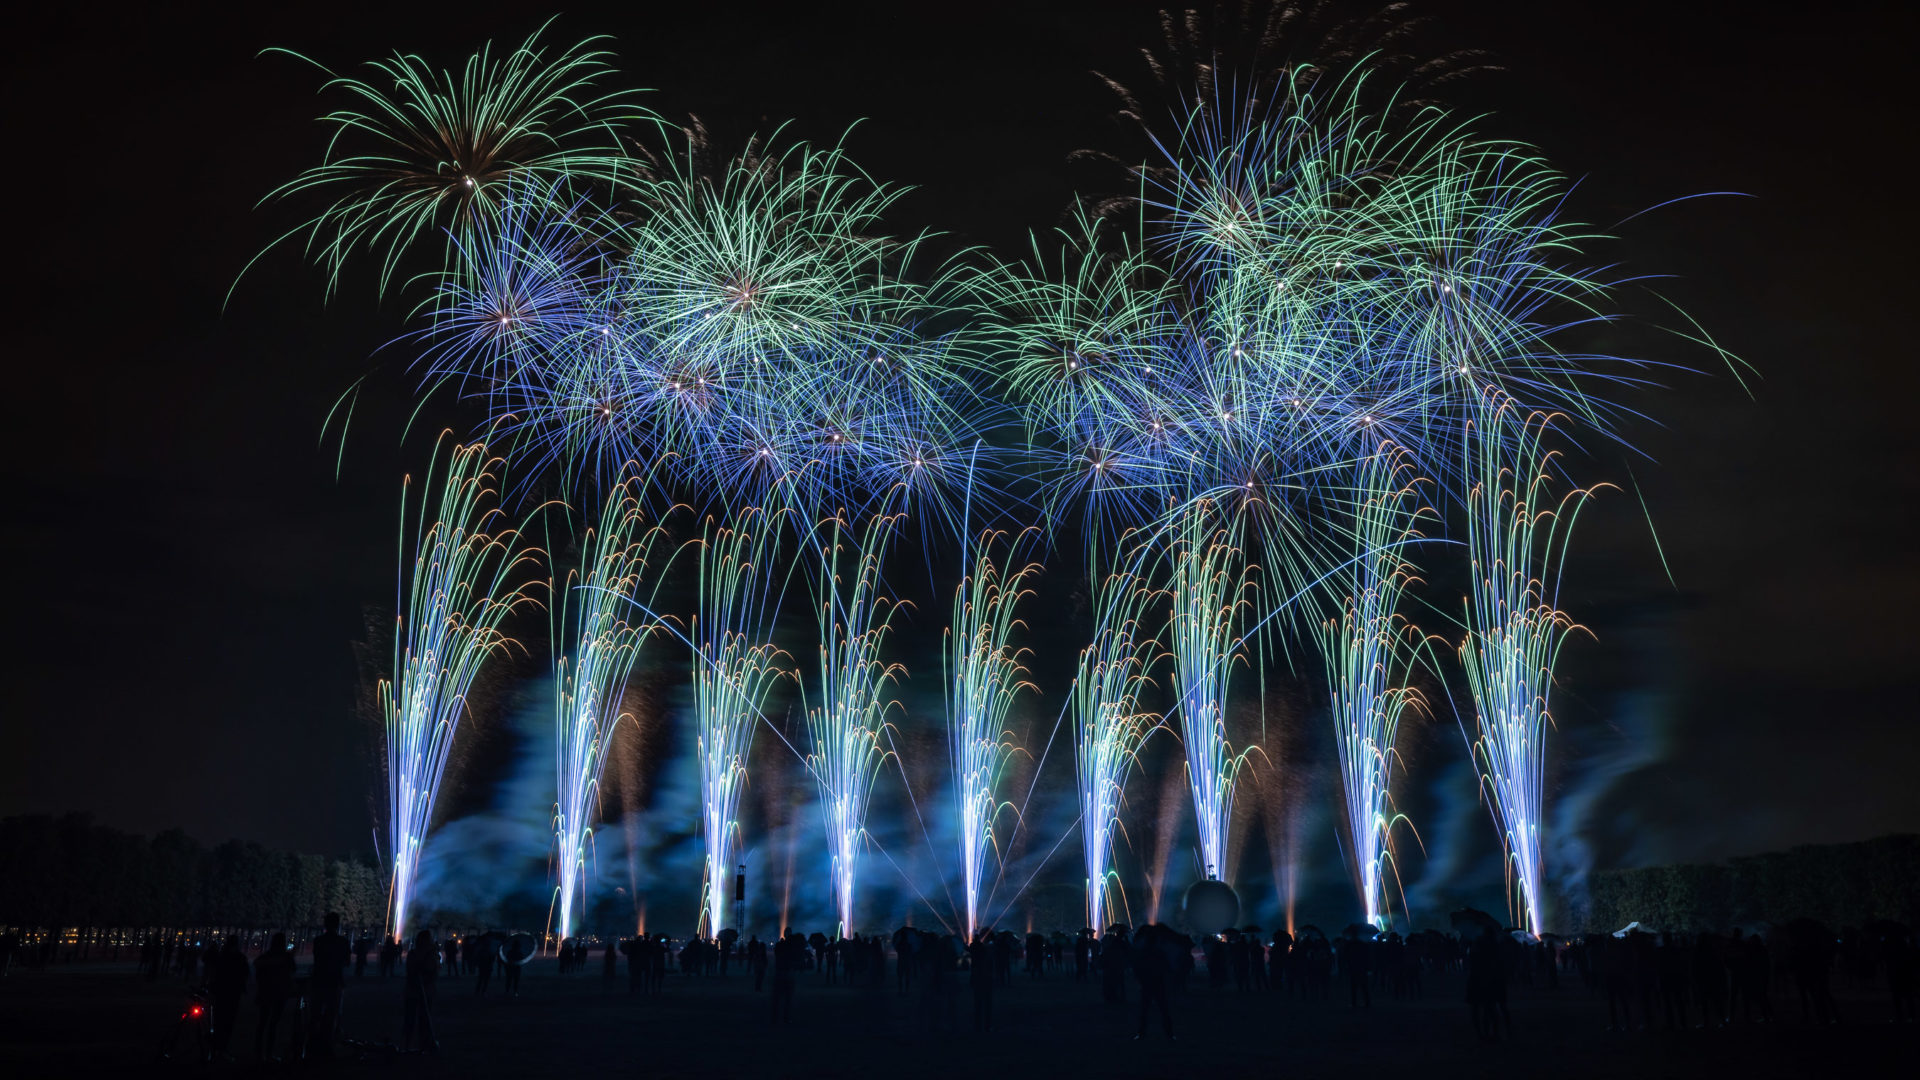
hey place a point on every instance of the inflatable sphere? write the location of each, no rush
(1211, 907)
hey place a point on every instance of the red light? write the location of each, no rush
(196, 1010)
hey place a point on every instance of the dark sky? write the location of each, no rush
(188, 574)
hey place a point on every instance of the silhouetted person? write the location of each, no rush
(227, 982)
(361, 947)
(423, 972)
(1116, 956)
(1150, 966)
(1644, 968)
(635, 950)
(980, 977)
(757, 961)
(484, 954)
(789, 953)
(1487, 987)
(328, 985)
(1812, 962)
(818, 942)
(1709, 978)
(1393, 963)
(1673, 965)
(510, 971)
(273, 985)
(1608, 959)
(1215, 951)
(1353, 964)
(903, 945)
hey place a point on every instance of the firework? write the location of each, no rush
(418, 151)
(735, 668)
(984, 675)
(1517, 536)
(597, 607)
(1110, 725)
(456, 591)
(776, 258)
(1211, 369)
(846, 728)
(1370, 651)
(1209, 594)
(746, 325)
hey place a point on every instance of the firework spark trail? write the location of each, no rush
(733, 674)
(1369, 652)
(593, 678)
(1208, 596)
(416, 151)
(984, 675)
(845, 728)
(457, 591)
(1518, 536)
(1110, 726)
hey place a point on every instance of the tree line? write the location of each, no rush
(69, 871)
(1839, 885)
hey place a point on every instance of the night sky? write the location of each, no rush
(189, 574)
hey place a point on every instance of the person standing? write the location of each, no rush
(483, 953)
(1116, 956)
(1487, 988)
(980, 975)
(423, 972)
(273, 985)
(757, 960)
(1353, 964)
(788, 954)
(331, 954)
(636, 950)
(511, 965)
(1151, 968)
(227, 980)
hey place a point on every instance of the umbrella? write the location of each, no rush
(518, 949)
(1310, 929)
(1807, 930)
(1885, 928)
(1475, 920)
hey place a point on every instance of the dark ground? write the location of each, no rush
(102, 1019)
